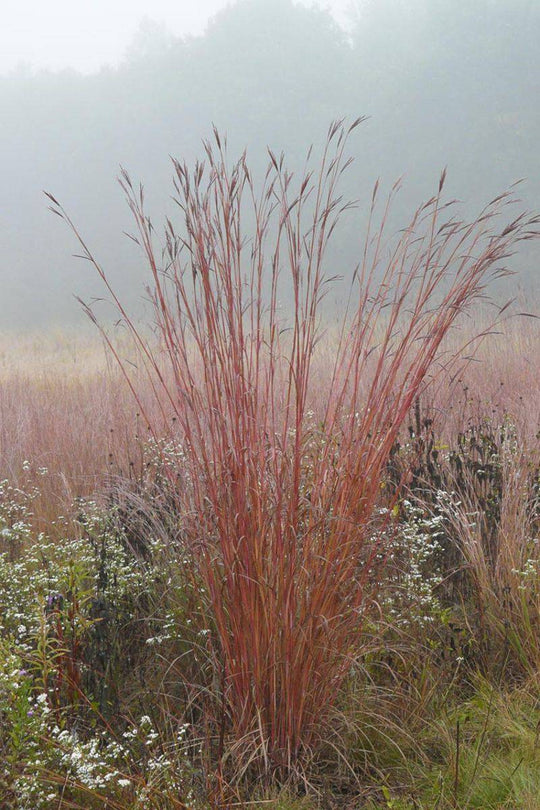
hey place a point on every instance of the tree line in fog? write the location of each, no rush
(443, 83)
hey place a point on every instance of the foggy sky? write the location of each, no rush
(89, 34)
(444, 83)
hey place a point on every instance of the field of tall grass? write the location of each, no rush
(263, 555)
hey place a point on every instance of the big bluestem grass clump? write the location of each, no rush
(281, 473)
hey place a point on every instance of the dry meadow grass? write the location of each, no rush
(65, 410)
(65, 406)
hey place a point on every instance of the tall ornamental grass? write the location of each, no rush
(282, 468)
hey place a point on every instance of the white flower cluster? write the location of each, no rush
(412, 559)
(529, 572)
(137, 767)
(44, 573)
(45, 586)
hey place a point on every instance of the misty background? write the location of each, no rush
(451, 83)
